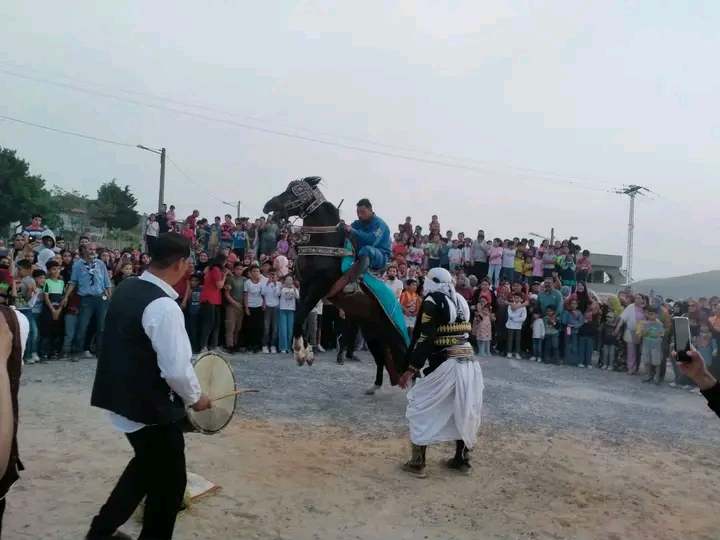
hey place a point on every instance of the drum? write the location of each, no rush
(217, 382)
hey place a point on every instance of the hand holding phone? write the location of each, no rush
(681, 332)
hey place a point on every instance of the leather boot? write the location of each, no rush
(351, 276)
(461, 461)
(416, 465)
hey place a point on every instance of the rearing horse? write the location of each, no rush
(321, 248)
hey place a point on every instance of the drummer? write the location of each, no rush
(145, 380)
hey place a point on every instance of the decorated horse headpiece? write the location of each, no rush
(307, 196)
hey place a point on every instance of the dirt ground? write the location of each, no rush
(329, 476)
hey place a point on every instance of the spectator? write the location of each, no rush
(410, 303)
(51, 322)
(90, 279)
(550, 297)
(289, 295)
(192, 311)
(254, 308)
(551, 345)
(631, 316)
(584, 267)
(393, 282)
(46, 252)
(271, 299)
(210, 302)
(226, 232)
(516, 315)
(650, 332)
(234, 308)
(36, 230)
(572, 319)
(162, 220)
(170, 217)
(455, 256)
(480, 252)
(152, 230)
(482, 326)
(268, 237)
(538, 335)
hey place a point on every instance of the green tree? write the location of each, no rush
(21, 194)
(115, 206)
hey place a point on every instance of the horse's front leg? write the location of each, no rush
(310, 295)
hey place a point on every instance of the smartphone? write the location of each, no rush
(681, 330)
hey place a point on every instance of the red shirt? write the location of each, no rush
(190, 222)
(210, 293)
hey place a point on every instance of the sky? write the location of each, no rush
(513, 117)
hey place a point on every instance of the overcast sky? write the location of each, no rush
(552, 105)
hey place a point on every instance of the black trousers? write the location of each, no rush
(209, 321)
(157, 472)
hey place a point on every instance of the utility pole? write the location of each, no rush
(238, 209)
(161, 153)
(161, 195)
(631, 191)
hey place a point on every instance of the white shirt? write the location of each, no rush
(254, 294)
(164, 324)
(288, 296)
(396, 285)
(152, 229)
(271, 293)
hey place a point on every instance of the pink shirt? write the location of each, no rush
(495, 256)
(538, 267)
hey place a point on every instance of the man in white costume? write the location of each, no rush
(445, 403)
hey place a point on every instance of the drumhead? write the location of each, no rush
(216, 379)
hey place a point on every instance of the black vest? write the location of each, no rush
(127, 380)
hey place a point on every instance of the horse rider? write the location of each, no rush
(372, 238)
(445, 404)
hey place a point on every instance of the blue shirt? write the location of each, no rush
(90, 278)
(238, 240)
(374, 233)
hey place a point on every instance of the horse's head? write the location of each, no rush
(299, 199)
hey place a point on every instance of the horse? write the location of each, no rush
(321, 248)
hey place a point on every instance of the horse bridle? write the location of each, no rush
(308, 199)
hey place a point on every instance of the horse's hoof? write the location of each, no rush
(310, 358)
(299, 359)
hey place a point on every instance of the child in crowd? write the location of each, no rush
(126, 271)
(234, 312)
(254, 304)
(192, 312)
(508, 262)
(495, 257)
(537, 268)
(271, 297)
(538, 335)
(516, 315)
(455, 256)
(572, 318)
(703, 342)
(410, 303)
(527, 271)
(551, 346)
(608, 340)
(51, 324)
(651, 331)
(482, 326)
(289, 295)
(36, 303)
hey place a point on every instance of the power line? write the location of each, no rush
(196, 183)
(156, 97)
(66, 132)
(532, 173)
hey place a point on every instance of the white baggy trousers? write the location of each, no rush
(447, 404)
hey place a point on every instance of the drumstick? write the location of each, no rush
(235, 393)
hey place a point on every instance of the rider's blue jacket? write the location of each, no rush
(374, 233)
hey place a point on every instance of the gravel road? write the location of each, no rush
(518, 395)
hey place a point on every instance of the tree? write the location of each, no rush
(115, 206)
(21, 194)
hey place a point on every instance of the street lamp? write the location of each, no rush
(161, 153)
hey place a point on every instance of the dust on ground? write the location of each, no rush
(564, 453)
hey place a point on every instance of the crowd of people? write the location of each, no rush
(528, 301)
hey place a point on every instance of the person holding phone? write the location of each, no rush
(695, 368)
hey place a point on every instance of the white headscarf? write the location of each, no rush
(440, 280)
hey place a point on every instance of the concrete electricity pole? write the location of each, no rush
(631, 191)
(161, 191)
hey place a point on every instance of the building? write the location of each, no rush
(607, 275)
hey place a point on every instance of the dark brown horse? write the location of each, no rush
(320, 252)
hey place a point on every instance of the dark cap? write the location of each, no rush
(365, 203)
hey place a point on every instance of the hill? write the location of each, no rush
(680, 287)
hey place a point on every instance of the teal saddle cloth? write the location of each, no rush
(384, 296)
